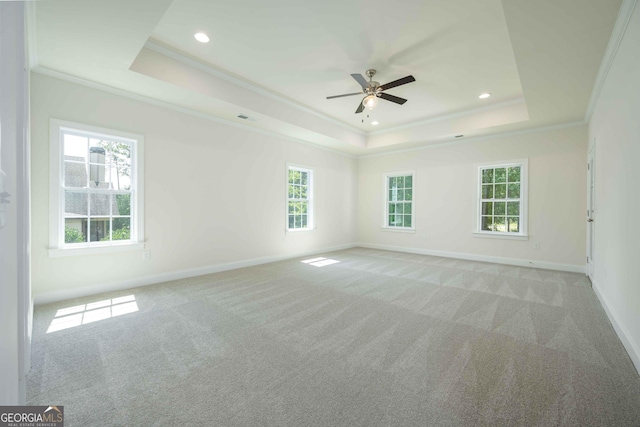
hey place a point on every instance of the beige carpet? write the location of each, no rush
(376, 339)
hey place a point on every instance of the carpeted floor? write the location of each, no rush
(377, 339)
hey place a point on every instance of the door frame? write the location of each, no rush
(591, 208)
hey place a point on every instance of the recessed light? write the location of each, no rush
(201, 37)
(484, 95)
(375, 123)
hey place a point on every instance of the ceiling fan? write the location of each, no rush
(374, 90)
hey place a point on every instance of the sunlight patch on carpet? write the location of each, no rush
(71, 317)
(320, 261)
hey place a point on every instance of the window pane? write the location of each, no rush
(393, 195)
(407, 221)
(122, 205)
(499, 208)
(399, 208)
(291, 221)
(75, 147)
(408, 194)
(513, 208)
(487, 191)
(390, 220)
(303, 192)
(291, 176)
(500, 191)
(296, 177)
(487, 223)
(75, 204)
(304, 221)
(487, 176)
(75, 174)
(392, 208)
(514, 174)
(408, 181)
(291, 191)
(400, 195)
(121, 229)
(98, 175)
(400, 182)
(514, 191)
(487, 208)
(303, 178)
(392, 182)
(303, 206)
(74, 230)
(500, 174)
(100, 204)
(119, 178)
(298, 221)
(407, 208)
(99, 230)
(499, 223)
(514, 224)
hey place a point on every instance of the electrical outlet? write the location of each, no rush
(146, 255)
(536, 245)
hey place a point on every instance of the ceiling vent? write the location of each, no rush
(244, 117)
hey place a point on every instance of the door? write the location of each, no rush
(591, 209)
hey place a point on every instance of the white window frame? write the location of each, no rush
(310, 198)
(57, 246)
(524, 200)
(385, 209)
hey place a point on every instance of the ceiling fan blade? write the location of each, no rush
(398, 82)
(360, 79)
(392, 98)
(360, 107)
(346, 94)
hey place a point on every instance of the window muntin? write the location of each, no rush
(299, 198)
(399, 209)
(501, 202)
(96, 188)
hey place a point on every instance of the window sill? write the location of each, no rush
(299, 230)
(94, 250)
(398, 229)
(488, 235)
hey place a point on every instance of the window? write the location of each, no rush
(502, 199)
(299, 198)
(399, 213)
(96, 189)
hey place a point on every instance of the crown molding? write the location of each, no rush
(141, 98)
(617, 34)
(479, 138)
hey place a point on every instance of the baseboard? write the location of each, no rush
(66, 294)
(627, 341)
(483, 258)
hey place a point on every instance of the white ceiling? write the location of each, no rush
(277, 61)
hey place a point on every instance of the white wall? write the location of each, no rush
(444, 193)
(214, 193)
(616, 130)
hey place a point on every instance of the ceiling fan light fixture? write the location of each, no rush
(375, 123)
(201, 37)
(484, 95)
(370, 102)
